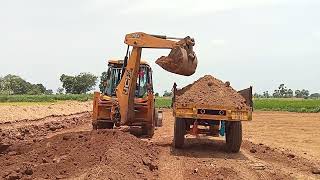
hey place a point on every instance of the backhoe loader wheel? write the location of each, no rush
(104, 125)
(94, 125)
(155, 117)
(233, 136)
(179, 132)
(148, 131)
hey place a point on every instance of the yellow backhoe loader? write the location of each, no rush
(128, 97)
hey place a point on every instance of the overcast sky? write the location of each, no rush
(248, 42)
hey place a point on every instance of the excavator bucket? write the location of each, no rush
(181, 60)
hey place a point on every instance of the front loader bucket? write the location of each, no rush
(181, 60)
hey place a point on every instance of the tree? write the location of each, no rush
(305, 93)
(156, 94)
(282, 92)
(266, 94)
(298, 93)
(315, 95)
(301, 93)
(289, 93)
(13, 84)
(49, 91)
(41, 88)
(103, 78)
(167, 94)
(34, 89)
(60, 90)
(67, 82)
(78, 84)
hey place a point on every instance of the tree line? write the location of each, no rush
(13, 84)
(85, 82)
(78, 84)
(283, 92)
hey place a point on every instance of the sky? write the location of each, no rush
(259, 43)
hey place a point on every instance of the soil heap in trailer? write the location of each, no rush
(211, 107)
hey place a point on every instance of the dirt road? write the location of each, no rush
(299, 132)
(53, 148)
(206, 159)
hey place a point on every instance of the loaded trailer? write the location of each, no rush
(211, 120)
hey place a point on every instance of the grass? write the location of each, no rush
(44, 98)
(163, 102)
(264, 104)
(270, 104)
(288, 104)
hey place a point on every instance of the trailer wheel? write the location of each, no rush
(179, 132)
(233, 136)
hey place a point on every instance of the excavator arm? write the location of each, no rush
(181, 60)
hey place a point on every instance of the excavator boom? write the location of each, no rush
(181, 60)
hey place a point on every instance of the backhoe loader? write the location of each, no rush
(128, 96)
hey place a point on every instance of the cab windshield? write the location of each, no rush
(114, 77)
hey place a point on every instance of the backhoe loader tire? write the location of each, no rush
(179, 132)
(94, 126)
(148, 130)
(105, 125)
(233, 136)
(155, 117)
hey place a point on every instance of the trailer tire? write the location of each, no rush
(179, 132)
(233, 136)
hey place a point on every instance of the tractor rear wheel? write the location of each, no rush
(179, 132)
(233, 136)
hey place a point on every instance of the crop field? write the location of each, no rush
(45, 98)
(288, 104)
(264, 104)
(269, 104)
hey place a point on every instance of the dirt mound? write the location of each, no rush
(210, 91)
(36, 129)
(85, 155)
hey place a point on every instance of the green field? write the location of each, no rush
(163, 102)
(264, 104)
(44, 98)
(271, 104)
(288, 104)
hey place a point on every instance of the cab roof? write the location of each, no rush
(114, 61)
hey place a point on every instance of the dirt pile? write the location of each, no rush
(85, 155)
(210, 91)
(33, 130)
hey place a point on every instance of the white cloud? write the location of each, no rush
(191, 7)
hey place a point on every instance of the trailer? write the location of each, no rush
(211, 120)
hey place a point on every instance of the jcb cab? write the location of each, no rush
(106, 112)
